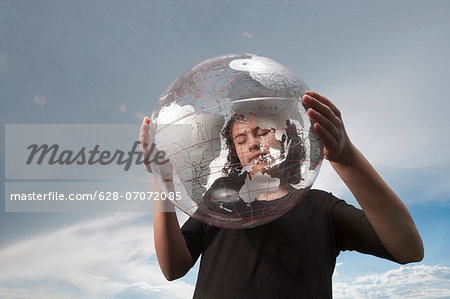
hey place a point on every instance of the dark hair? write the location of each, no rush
(295, 156)
(289, 169)
(233, 165)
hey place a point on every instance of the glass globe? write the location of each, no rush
(240, 148)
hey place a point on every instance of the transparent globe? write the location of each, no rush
(241, 150)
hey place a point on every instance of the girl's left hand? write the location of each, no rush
(327, 122)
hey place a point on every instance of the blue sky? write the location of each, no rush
(385, 64)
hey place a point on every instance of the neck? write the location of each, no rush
(271, 196)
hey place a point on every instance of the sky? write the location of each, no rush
(385, 64)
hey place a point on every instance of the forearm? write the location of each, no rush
(388, 215)
(386, 212)
(173, 255)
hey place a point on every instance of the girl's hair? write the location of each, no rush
(288, 170)
(233, 166)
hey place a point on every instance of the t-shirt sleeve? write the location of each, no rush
(194, 233)
(353, 231)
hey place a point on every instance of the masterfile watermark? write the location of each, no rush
(52, 155)
(97, 195)
(86, 168)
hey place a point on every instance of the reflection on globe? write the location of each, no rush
(241, 149)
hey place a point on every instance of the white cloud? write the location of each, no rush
(338, 265)
(108, 256)
(114, 256)
(395, 111)
(329, 180)
(420, 281)
(393, 128)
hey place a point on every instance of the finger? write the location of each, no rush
(144, 135)
(326, 137)
(144, 129)
(322, 109)
(324, 122)
(145, 124)
(325, 101)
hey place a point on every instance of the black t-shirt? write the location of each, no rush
(223, 202)
(291, 257)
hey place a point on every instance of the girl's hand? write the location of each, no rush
(327, 122)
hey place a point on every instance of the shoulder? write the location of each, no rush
(313, 207)
(322, 199)
(324, 204)
(224, 189)
(230, 180)
(322, 195)
(194, 225)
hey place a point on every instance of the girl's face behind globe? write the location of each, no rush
(257, 148)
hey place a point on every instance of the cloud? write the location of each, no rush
(338, 265)
(329, 180)
(394, 112)
(114, 256)
(420, 281)
(108, 256)
(393, 101)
